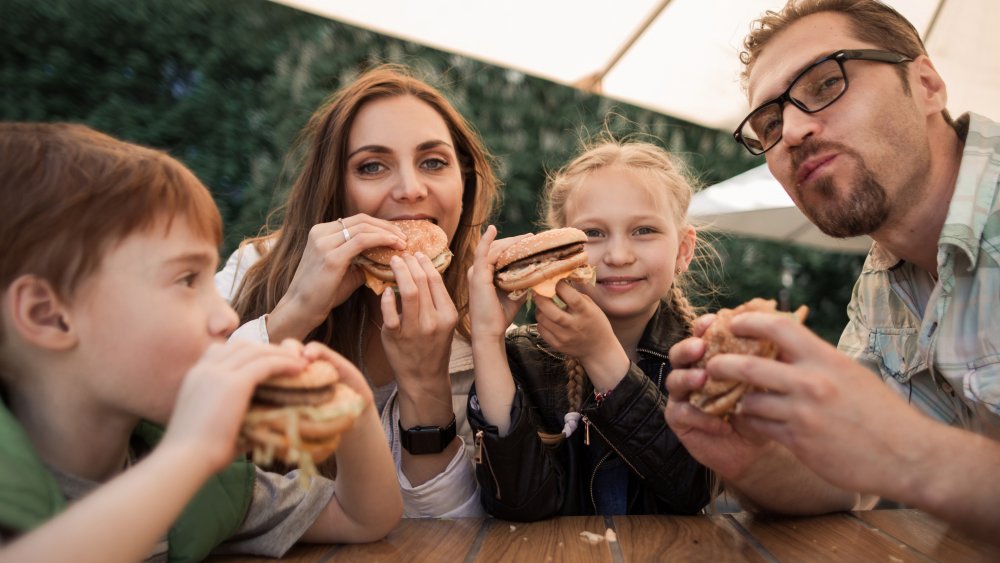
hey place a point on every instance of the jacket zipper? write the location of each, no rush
(663, 363)
(652, 353)
(593, 476)
(480, 452)
(608, 442)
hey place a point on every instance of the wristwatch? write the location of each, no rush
(421, 440)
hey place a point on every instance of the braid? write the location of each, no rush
(574, 383)
(680, 304)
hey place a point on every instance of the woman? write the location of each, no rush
(386, 146)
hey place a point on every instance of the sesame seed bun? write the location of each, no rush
(538, 262)
(421, 236)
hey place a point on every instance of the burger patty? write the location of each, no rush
(542, 257)
(293, 397)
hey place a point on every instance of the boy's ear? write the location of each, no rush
(38, 314)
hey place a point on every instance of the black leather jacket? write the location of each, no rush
(524, 479)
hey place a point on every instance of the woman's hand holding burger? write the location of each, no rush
(325, 277)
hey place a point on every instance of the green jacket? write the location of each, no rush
(29, 495)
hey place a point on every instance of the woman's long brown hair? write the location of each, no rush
(317, 196)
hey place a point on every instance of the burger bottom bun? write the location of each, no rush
(536, 274)
(378, 277)
(719, 398)
(286, 433)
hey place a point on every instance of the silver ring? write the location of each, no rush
(344, 231)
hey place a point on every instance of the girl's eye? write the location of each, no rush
(189, 279)
(592, 233)
(370, 168)
(434, 163)
(645, 231)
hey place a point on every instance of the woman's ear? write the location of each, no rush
(37, 313)
(687, 237)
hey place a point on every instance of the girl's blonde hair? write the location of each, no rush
(664, 171)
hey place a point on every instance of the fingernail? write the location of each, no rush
(395, 260)
(420, 255)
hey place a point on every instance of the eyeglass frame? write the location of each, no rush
(875, 55)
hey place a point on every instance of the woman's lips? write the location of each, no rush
(414, 217)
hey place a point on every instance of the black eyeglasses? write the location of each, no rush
(814, 89)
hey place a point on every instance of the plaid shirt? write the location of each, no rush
(938, 343)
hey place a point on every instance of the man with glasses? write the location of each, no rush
(850, 114)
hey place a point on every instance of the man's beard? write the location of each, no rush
(861, 212)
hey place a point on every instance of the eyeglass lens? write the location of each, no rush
(818, 87)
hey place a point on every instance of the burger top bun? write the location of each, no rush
(421, 236)
(541, 242)
(313, 386)
(317, 374)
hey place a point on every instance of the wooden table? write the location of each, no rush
(879, 535)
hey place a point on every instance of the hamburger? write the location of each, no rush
(537, 263)
(421, 236)
(720, 398)
(299, 420)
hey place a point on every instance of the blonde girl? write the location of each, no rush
(568, 412)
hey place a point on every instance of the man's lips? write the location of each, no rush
(806, 169)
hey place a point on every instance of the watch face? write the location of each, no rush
(426, 439)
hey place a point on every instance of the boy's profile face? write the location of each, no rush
(146, 316)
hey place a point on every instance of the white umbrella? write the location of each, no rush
(754, 204)
(678, 57)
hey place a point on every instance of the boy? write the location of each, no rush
(109, 317)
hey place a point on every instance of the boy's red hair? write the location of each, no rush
(69, 193)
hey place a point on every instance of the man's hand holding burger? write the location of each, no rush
(763, 472)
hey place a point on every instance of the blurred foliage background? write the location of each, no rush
(225, 86)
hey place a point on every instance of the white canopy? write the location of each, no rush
(678, 57)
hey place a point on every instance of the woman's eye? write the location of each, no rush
(435, 163)
(371, 168)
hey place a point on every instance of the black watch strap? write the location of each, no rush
(421, 440)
